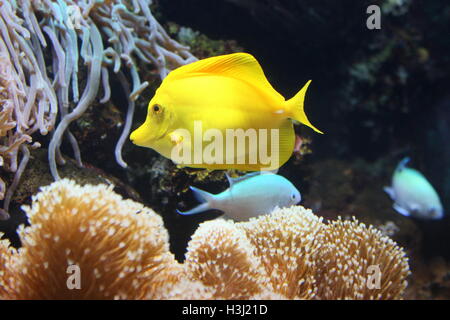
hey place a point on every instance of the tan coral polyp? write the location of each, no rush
(119, 246)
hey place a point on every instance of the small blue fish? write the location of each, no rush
(249, 196)
(413, 195)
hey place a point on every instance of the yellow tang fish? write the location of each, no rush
(222, 113)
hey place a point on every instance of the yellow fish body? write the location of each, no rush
(221, 99)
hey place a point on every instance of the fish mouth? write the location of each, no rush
(139, 138)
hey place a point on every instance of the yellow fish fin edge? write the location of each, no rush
(286, 142)
(240, 66)
(295, 106)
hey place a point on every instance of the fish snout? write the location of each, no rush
(139, 136)
(133, 137)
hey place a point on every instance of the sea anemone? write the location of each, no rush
(359, 262)
(57, 57)
(287, 243)
(292, 254)
(183, 289)
(118, 247)
(6, 267)
(88, 243)
(221, 257)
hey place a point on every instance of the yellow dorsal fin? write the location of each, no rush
(240, 66)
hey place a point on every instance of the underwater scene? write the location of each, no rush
(224, 149)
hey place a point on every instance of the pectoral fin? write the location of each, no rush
(176, 138)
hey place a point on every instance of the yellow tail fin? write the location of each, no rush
(295, 107)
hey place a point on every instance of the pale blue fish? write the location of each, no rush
(413, 195)
(249, 196)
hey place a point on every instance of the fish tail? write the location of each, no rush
(295, 106)
(204, 197)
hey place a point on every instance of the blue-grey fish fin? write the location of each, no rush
(402, 164)
(230, 179)
(401, 210)
(390, 191)
(201, 195)
(274, 171)
(233, 181)
(200, 208)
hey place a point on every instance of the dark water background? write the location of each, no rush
(378, 95)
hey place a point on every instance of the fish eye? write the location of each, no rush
(293, 196)
(157, 108)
